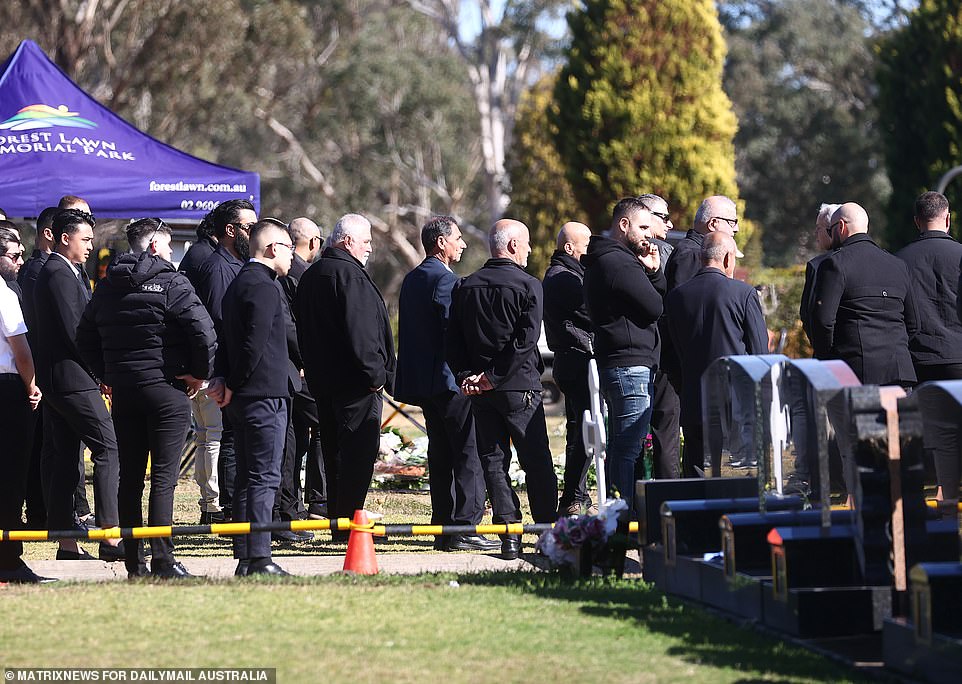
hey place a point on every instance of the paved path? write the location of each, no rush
(401, 563)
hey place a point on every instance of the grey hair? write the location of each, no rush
(349, 224)
(825, 213)
(499, 238)
(705, 212)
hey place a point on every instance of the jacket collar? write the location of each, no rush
(562, 258)
(500, 262)
(858, 237)
(936, 234)
(341, 255)
(253, 264)
(227, 256)
(695, 236)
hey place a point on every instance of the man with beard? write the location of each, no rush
(231, 222)
(20, 396)
(567, 329)
(623, 291)
(424, 378)
(147, 335)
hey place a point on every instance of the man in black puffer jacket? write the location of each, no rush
(148, 337)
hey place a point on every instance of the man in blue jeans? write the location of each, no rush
(623, 291)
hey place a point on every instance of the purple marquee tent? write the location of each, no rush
(55, 139)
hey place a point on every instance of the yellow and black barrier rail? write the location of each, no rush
(242, 528)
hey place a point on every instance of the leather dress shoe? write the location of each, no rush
(441, 543)
(211, 517)
(471, 542)
(228, 514)
(510, 546)
(79, 554)
(265, 566)
(288, 536)
(175, 570)
(24, 575)
(243, 568)
(139, 571)
(111, 554)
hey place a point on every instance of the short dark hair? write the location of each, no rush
(45, 220)
(267, 224)
(930, 205)
(143, 229)
(206, 227)
(435, 228)
(6, 237)
(626, 207)
(228, 213)
(68, 201)
(68, 221)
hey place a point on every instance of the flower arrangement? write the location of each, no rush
(401, 464)
(564, 544)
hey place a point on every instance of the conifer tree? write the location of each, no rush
(920, 102)
(541, 196)
(640, 105)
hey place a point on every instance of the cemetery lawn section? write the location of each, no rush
(437, 628)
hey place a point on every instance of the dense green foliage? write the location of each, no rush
(540, 193)
(920, 81)
(800, 75)
(640, 107)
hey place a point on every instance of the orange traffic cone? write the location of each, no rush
(360, 557)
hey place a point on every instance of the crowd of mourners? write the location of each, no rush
(276, 347)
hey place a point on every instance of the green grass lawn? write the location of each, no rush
(502, 627)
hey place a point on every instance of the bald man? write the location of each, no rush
(567, 329)
(493, 351)
(863, 308)
(712, 315)
(254, 384)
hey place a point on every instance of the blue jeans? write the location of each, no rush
(627, 392)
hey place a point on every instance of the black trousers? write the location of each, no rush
(16, 426)
(302, 439)
(501, 417)
(226, 462)
(350, 429)
(942, 438)
(665, 423)
(570, 371)
(149, 420)
(307, 441)
(73, 417)
(454, 469)
(260, 428)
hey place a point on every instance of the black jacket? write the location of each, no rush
(198, 253)
(685, 261)
(864, 312)
(808, 294)
(712, 316)
(60, 298)
(252, 355)
(144, 325)
(423, 309)
(213, 278)
(27, 279)
(343, 328)
(933, 262)
(495, 325)
(567, 326)
(624, 303)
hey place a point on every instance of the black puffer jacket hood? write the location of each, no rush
(131, 271)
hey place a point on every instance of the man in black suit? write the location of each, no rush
(495, 323)
(712, 315)
(823, 240)
(424, 378)
(147, 335)
(231, 223)
(20, 397)
(863, 305)
(254, 383)
(74, 408)
(200, 251)
(27, 279)
(933, 262)
(567, 329)
(342, 320)
(303, 434)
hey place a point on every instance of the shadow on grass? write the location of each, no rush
(705, 639)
